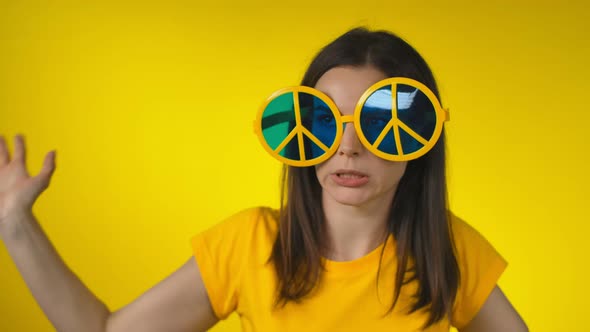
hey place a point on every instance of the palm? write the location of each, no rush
(18, 190)
(14, 181)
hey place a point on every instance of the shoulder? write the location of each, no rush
(229, 248)
(247, 218)
(460, 227)
(480, 267)
(241, 229)
(466, 237)
(471, 247)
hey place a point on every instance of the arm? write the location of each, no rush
(66, 302)
(496, 314)
(179, 303)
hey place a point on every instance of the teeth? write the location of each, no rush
(349, 176)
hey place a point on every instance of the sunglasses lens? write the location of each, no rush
(376, 116)
(278, 120)
(416, 119)
(321, 122)
(281, 131)
(416, 111)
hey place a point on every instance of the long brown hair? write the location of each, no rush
(418, 218)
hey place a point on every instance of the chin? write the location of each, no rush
(348, 197)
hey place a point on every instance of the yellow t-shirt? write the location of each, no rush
(233, 257)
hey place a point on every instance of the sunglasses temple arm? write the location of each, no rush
(447, 113)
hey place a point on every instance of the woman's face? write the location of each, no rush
(353, 175)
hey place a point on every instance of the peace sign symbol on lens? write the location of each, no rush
(397, 119)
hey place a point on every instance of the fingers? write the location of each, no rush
(3, 152)
(19, 148)
(20, 155)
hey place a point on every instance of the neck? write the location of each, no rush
(354, 231)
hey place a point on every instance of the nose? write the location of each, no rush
(350, 145)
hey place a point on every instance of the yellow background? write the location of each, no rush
(150, 108)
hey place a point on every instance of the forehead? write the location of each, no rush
(346, 85)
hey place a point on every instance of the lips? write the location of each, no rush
(349, 178)
(350, 172)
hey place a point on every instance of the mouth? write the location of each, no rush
(350, 174)
(350, 178)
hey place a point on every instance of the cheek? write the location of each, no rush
(319, 171)
(394, 170)
(401, 167)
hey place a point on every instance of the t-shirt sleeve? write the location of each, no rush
(220, 254)
(480, 265)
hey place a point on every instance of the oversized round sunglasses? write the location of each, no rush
(397, 119)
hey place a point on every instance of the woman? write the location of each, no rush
(363, 240)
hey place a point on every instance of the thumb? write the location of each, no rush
(44, 176)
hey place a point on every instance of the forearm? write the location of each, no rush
(67, 302)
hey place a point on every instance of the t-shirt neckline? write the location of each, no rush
(366, 263)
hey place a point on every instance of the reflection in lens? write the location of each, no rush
(320, 121)
(375, 115)
(416, 111)
(409, 144)
(291, 150)
(278, 121)
(388, 143)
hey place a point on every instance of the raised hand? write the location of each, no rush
(19, 190)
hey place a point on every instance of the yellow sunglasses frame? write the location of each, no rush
(442, 115)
